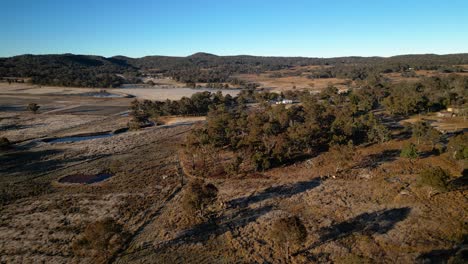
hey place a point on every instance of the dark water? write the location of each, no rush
(86, 179)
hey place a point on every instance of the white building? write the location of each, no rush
(284, 101)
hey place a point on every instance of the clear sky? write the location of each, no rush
(312, 28)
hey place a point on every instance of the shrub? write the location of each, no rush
(115, 166)
(458, 146)
(234, 167)
(4, 143)
(288, 231)
(437, 178)
(33, 107)
(100, 239)
(409, 151)
(198, 197)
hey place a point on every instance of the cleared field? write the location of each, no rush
(150, 93)
(162, 94)
(445, 124)
(292, 82)
(396, 77)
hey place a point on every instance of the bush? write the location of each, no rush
(33, 107)
(198, 197)
(409, 151)
(4, 143)
(288, 231)
(100, 239)
(115, 166)
(234, 167)
(436, 178)
(458, 146)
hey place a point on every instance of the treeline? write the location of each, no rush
(260, 137)
(197, 104)
(427, 95)
(69, 70)
(95, 71)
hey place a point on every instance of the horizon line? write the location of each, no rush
(234, 55)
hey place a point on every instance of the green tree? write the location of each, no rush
(436, 178)
(458, 146)
(138, 114)
(419, 129)
(423, 131)
(409, 151)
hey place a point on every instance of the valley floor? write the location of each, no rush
(375, 212)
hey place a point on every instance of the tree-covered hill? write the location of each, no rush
(97, 71)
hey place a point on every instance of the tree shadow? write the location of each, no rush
(379, 222)
(35, 162)
(220, 225)
(204, 231)
(282, 191)
(374, 160)
(240, 217)
(460, 183)
(437, 256)
(18, 126)
(426, 154)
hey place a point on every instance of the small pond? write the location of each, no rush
(85, 178)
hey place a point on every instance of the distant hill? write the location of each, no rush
(67, 69)
(98, 71)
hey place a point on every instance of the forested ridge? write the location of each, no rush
(97, 71)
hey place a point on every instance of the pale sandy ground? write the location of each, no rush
(38, 90)
(167, 93)
(446, 124)
(182, 119)
(150, 93)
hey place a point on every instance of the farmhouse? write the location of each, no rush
(445, 114)
(284, 101)
(454, 109)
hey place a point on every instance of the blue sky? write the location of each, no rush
(314, 28)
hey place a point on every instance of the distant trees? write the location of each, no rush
(405, 99)
(270, 135)
(33, 107)
(429, 95)
(95, 71)
(197, 104)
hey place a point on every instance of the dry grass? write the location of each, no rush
(446, 124)
(287, 83)
(396, 77)
(371, 210)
